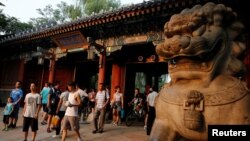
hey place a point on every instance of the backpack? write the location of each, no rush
(54, 96)
(85, 101)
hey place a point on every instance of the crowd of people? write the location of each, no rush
(61, 111)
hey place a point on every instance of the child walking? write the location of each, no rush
(6, 113)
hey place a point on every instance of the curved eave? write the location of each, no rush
(145, 8)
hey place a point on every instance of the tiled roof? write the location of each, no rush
(147, 7)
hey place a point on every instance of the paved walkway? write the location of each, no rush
(111, 133)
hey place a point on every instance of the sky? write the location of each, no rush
(26, 9)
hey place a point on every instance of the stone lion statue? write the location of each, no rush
(203, 46)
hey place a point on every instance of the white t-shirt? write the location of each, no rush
(151, 98)
(31, 101)
(118, 97)
(72, 111)
(100, 98)
(64, 96)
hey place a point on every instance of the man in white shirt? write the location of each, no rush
(71, 114)
(101, 100)
(31, 110)
(83, 93)
(151, 109)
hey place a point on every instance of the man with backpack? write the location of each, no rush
(53, 99)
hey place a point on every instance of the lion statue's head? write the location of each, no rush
(202, 43)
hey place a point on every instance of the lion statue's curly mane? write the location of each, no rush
(203, 46)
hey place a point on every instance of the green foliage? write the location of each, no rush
(61, 14)
(9, 25)
(95, 6)
(14, 25)
(3, 21)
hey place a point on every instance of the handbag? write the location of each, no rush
(122, 113)
(55, 120)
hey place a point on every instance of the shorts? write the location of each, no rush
(27, 122)
(70, 122)
(92, 104)
(52, 110)
(45, 108)
(6, 119)
(14, 114)
(61, 114)
(117, 106)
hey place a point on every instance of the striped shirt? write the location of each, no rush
(101, 98)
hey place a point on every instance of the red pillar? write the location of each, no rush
(21, 70)
(102, 68)
(52, 70)
(116, 78)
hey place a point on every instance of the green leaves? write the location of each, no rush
(61, 14)
(10, 25)
(95, 6)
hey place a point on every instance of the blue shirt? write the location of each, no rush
(8, 109)
(15, 95)
(44, 93)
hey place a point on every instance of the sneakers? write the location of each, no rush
(10, 126)
(55, 136)
(100, 131)
(5, 129)
(43, 123)
(114, 123)
(94, 131)
(145, 127)
(97, 131)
